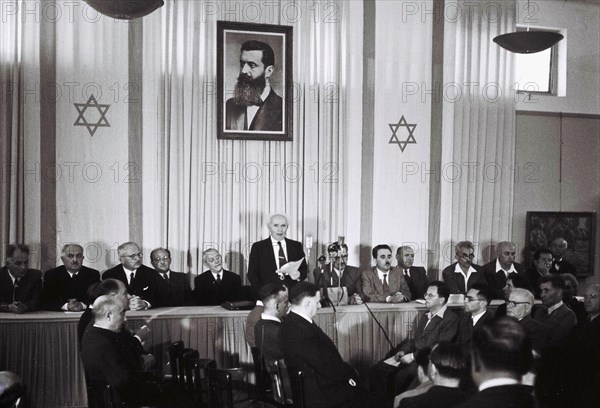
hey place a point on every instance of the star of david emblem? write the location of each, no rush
(100, 118)
(409, 127)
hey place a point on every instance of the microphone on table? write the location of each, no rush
(378, 324)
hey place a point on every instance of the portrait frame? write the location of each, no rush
(577, 228)
(232, 117)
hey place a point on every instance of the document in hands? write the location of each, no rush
(291, 269)
(392, 361)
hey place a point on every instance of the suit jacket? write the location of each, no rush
(504, 396)
(577, 307)
(439, 329)
(262, 264)
(145, 283)
(59, 287)
(561, 322)
(417, 282)
(373, 287)
(268, 339)
(268, 117)
(563, 267)
(326, 375)
(351, 279)
(437, 396)
(176, 290)
(456, 281)
(496, 280)
(537, 331)
(533, 276)
(251, 320)
(207, 292)
(466, 328)
(28, 290)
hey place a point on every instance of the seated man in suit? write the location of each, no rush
(446, 368)
(542, 263)
(569, 299)
(174, 286)
(65, 287)
(476, 301)
(216, 285)
(556, 314)
(268, 256)
(140, 280)
(267, 331)
(501, 268)
(382, 283)
(559, 248)
(20, 287)
(501, 354)
(415, 276)
(422, 360)
(512, 282)
(519, 307)
(461, 275)
(329, 382)
(337, 274)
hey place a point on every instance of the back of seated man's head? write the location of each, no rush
(302, 290)
(109, 312)
(11, 389)
(446, 361)
(500, 348)
(422, 360)
(274, 298)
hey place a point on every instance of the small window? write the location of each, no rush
(538, 72)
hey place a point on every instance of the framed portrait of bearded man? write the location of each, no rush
(254, 77)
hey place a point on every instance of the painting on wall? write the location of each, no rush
(577, 228)
(254, 77)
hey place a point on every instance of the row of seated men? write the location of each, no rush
(478, 358)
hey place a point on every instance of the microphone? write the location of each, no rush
(378, 324)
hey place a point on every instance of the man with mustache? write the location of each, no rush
(255, 105)
(382, 283)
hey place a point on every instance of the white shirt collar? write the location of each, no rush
(496, 382)
(299, 313)
(553, 308)
(259, 303)
(506, 272)
(439, 313)
(218, 273)
(274, 242)
(167, 274)
(381, 273)
(457, 269)
(477, 316)
(265, 316)
(128, 272)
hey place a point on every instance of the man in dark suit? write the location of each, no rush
(461, 275)
(267, 330)
(500, 269)
(216, 285)
(140, 280)
(520, 302)
(66, 286)
(559, 248)
(382, 283)
(476, 301)
(329, 382)
(501, 354)
(268, 256)
(415, 276)
(255, 105)
(20, 287)
(542, 263)
(569, 296)
(556, 314)
(174, 286)
(328, 276)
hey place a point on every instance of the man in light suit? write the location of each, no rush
(382, 283)
(140, 280)
(174, 286)
(462, 274)
(20, 287)
(415, 276)
(500, 269)
(66, 286)
(216, 285)
(269, 255)
(328, 276)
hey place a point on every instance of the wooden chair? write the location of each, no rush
(196, 377)
(285, 392)
(220, 386)
(100, 395)
(176, 351)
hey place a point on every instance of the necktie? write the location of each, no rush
(407, 275)
(335, 279)
(131, 279)
(386, 287)
(282, 260)
(219, 278)
(164, 275)
(15, 287)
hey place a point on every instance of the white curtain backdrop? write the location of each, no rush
(220, 193)
(478, 128)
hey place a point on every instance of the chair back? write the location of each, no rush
(175, 350)
(220, 389)
(196, 377)
(100, 395)
(285, 391)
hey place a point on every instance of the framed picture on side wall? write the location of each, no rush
(254, 81)
(577, 228)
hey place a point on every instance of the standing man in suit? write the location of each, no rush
(556, 314)
(174, 286)
(338, 274)
(497, 272)
(255, 105)
(20, 287)
(382, 283)
(501, 354)
(477, 300)
(542, 263)
(415, 276)
(216, 285)
(140, 280)
(461, 275)
(329, 382)
(66, 286)
(559, 265)
(269, 255)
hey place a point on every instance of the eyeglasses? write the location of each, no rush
(429, 295)
(162, 258)
(514, 304)
(132, 256)
(471, 299)
(591, 296)
(470, 256)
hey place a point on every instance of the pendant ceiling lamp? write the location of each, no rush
(125, 9)
(528, 42)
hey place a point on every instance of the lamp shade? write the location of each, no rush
(125, 9)
(528, 42)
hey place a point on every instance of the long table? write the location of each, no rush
(42, 347)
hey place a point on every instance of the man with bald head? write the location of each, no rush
(560, 265)
(65, 287)
(518, 306)
(415, 276)
(500, 269)
(140, 280)
(174, 286)
(268, 256)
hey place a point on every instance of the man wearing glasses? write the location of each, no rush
(20, 287)
(463, 274)
(476, 302)
(338, 274)
(519, 305)
(174, 286)
(140, 280)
